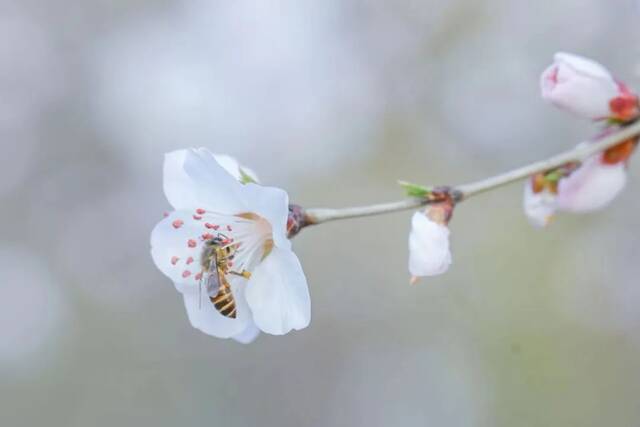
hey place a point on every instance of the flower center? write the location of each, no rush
(236, 243)
(247, 238)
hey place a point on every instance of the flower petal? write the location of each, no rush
(538, 207)
(429, 253)
(273, 205)
(592, 186)
(278, 295)
(214, 188)
(193, 179)
(204, 316)
(178, 186)
(583, 65)
(231, 165)
(176, 248)
(248, 335)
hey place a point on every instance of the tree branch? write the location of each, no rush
(464, 191)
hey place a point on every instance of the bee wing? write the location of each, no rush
(212, 281)
(212, 284)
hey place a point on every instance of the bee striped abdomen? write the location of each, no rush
(224, 301)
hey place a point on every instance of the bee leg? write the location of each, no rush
(244, 274)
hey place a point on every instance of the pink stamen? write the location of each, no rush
(200, 211)
(198, 276)
(174, 260)
(189, 260)
(197, 217)
(207, 236)
(186, 274)
(191, 243)
(177, 223)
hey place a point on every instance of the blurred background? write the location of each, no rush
(333, 101)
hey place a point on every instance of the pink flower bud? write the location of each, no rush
(586, 89)
(592, 186)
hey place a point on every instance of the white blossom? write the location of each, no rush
(209, 203)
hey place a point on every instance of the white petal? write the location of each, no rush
(176, 248)
(248, 335)
(593, 186)
(204, 316)
(429, 253)
(215, 189)
(178, 186)
(583, 65)
(277, 294)
(273, 205)
(231, 165)
(538, 207)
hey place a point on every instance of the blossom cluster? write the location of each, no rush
(226, 246)
(588, 90)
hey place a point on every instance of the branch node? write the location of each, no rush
(297, 220)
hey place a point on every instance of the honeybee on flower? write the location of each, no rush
(219, 204)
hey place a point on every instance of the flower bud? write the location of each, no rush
(586, 89)
(429, 253)
(539, 201)
(592, 186)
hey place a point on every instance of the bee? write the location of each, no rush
(217, 257)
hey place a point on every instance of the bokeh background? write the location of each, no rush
(333, 100)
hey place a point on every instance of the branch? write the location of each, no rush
(464, 191)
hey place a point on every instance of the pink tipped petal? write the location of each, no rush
(549, 80)
(580, 86)
(278, 295)
(591, 187)
(429, 253)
